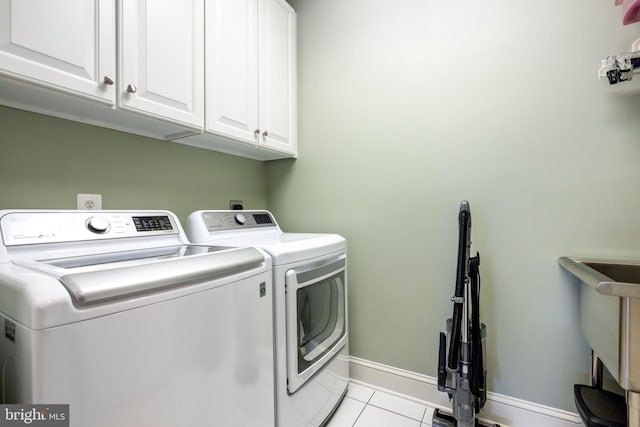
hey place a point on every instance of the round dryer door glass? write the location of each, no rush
(320, 323)
(316, 318)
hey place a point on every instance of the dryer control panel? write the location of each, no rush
(236, 220)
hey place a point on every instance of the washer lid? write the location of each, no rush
(99, 278)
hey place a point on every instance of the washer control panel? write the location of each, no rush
(35, 227)
(236, 220)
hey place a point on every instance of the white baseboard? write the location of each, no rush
(500, 409)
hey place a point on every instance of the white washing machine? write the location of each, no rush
(114, 314)
(310, 309)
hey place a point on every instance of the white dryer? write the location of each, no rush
(310, 309)
(114, 314)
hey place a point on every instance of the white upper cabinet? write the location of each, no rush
(162, 59)
(277, 65)
(67, 45)
(60, 57)
(217, 74)
(232, 68)
(250, 56)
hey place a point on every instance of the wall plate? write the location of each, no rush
(89, 202)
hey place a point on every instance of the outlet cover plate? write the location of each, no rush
(236, 205)
(90, 202)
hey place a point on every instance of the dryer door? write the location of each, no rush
(316, 317)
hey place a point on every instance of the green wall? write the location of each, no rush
(405, 109)
(46, 161)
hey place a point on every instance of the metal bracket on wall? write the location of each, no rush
(621, 67)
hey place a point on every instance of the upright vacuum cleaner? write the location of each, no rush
(461, 371)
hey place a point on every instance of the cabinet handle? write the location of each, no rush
(265, 134)
(131, 88)
(256, 132)
(107, 80)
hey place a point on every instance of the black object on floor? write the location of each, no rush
(600, 408)
(442, 419)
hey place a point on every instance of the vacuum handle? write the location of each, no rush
(442, 362)
(459, 325)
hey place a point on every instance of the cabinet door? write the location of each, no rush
(162, 59)
(277, 65)
(232, 68)
(67, 45)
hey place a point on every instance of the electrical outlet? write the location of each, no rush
(236, 205)
(90, 202)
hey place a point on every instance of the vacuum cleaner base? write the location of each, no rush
(441, 419)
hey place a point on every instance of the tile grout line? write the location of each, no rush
(359, 415)
(424, 411)
(423, 422)
(423, 414)
(369, 400)
(394, 412)
(397, 413)
(363, 408)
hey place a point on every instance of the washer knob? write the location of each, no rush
(240, 219)
(98, 224)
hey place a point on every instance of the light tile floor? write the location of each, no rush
(366, 407)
